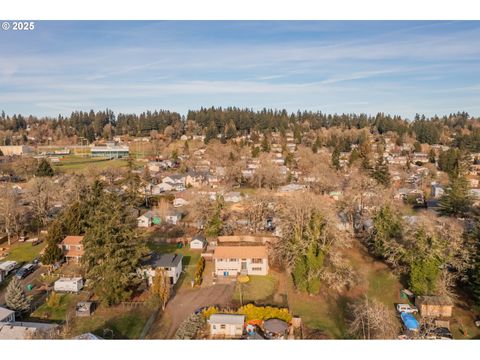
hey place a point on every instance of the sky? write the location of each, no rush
(396, 67)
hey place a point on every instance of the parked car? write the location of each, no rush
(24, 271)
(406, 308)
(440, 333)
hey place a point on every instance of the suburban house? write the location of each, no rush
(196, 179)
(174, 179)
(234, 260)
(173, 217)
(171, 263)
(6, 315)
(198, 242)
(72, 247)
(148, 219)
(437, 191)
(226, 325)
(179, 202)
(233, 196)
(434, 306)
(24, 330)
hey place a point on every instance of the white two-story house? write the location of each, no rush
(171, 263)
(235, 260)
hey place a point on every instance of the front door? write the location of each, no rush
(244, 265)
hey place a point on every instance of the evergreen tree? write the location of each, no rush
(211, 133)
(381, 173)
(424, 273)
(474, 282)
(417, 147)
(44, 169)
(215, 223)
(387, 226)
(265, 144)
(15, 297)
(336, 158)
(299, 274)
(432, 156)
(112, 250)
(255, 151)
(56, 233)
(457, 200)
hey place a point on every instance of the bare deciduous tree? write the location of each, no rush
(372, 320)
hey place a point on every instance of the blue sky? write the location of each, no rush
(397, 67)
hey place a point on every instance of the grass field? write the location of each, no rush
(56, 313)
(328, 312)
(25, 252)
(115, 322)
(258, 289)
(81, 163)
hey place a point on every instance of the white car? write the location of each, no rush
(406, 308)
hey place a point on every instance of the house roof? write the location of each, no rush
(225, 252)
(199, 237)
(232, 319)
(72, 240)
(4, 312)
(434, 300)
(164, 260)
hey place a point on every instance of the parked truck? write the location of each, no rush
(68, 285)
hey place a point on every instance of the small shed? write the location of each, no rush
(226, 325)
(84, 309)
(198, 242)
(434, 306)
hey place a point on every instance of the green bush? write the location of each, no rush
(253, 312)
(199, 271)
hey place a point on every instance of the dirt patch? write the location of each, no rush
(186, 302)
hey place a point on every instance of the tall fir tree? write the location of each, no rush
(112, 250)
(44, 169)
(15, 297)
(381, 173)
(457, 200)
(336, 158)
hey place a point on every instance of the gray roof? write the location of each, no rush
(199, 237)
(4, 312)
(164, 260)
(232, 319)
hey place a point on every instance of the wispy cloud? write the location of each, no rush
(392, 67)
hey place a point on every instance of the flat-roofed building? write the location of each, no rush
(10, 150)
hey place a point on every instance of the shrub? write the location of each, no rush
(199, 271)
(253, 312)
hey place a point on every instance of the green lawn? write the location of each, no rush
(384, 287)
(74, 163)
(124, 323)
(323, 312)
(57, 313)
(257, 289)
(25, 252)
